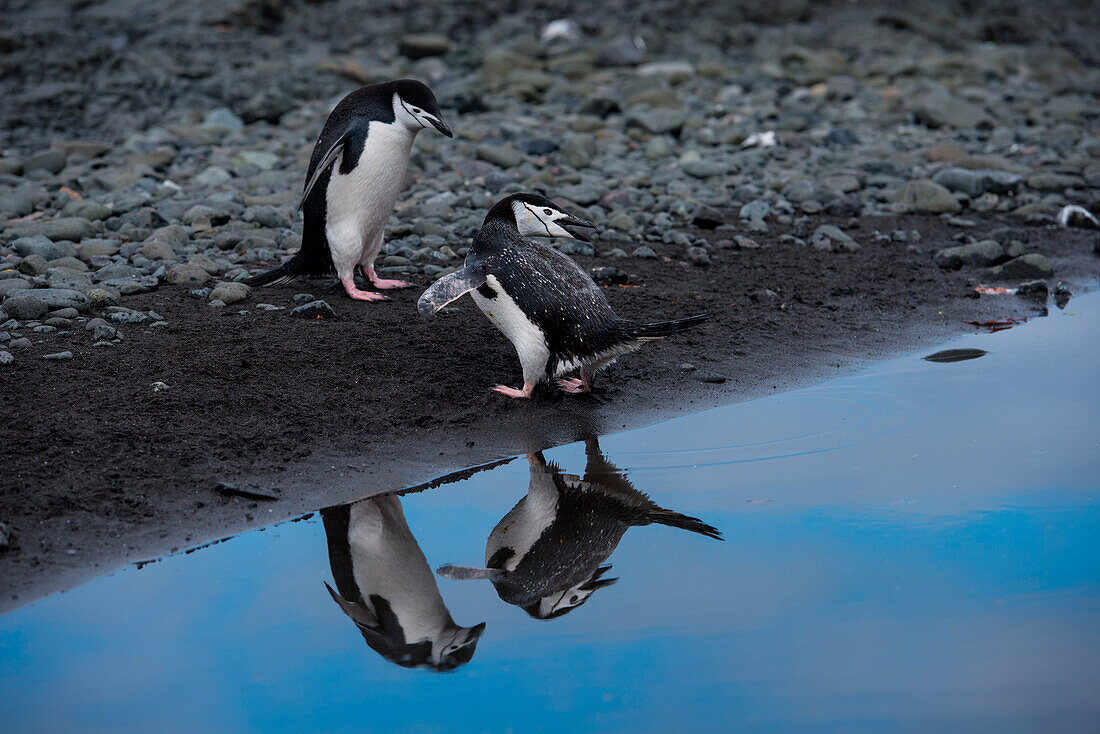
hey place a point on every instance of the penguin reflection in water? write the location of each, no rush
(551, 310)
(384, 584)
(546, 555)
(355, 174)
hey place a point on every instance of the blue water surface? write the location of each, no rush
(912, 548)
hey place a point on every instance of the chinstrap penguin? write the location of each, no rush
(551, 310)
(355, 174)
(385, 585)
(547, 554)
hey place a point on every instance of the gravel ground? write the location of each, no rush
(831, 180)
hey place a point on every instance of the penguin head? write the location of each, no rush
(455, 647)
(536, 216)
(415, 107)
(562, 602)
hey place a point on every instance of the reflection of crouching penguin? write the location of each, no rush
(386, 586)
(545, 555)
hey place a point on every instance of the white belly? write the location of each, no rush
(528, 339)
(360, 202)
(387, 561)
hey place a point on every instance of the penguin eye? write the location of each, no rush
(573, 599)
(548, 212)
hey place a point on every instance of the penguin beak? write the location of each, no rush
(440, 125)
(577, 222)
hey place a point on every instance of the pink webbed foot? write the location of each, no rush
(574, 386)
(527, 391)
(383, 284)
(358, 295)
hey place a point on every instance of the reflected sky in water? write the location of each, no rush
(916, 546)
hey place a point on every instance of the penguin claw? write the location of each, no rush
(358, 295)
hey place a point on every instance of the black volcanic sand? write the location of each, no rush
(101, 470)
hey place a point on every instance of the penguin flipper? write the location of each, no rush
(449, 288)
(363, 617)
(331, 156)
(466, 573)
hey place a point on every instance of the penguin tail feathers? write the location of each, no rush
(661, 516)
(661, 329)
(281, 275)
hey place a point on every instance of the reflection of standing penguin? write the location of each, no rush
(386, 586)
(545, 555)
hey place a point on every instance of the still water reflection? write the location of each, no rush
(546, 555)
(913, 548)
(386, 587)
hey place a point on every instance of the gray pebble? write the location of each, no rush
(313, 310)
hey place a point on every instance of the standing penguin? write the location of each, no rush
(355, 174)
(384, 584)
(551, 310)
(546, 555)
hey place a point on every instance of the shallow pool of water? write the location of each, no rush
(915, 547)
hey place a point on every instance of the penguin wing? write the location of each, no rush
(450, 287)
(562, 299)
(331, 156)
(363, 617)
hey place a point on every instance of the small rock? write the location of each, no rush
(58, 356)
(44, 247)
(158, 250)
(584, 194)
(104, 332)
(129, 317)
(925, 196)
(73, 229)
(313, 310)
(698, 256)
(230, 293)
(936, 107)
(6, 357)
(499, 155)
(189, 275)
(14, 284)
(980, 254)
(101, 297)
(421, 45)
(645, 252)
(695, 165)
(1051, 181)
(1025, 266)
(707, 376)
(222, 117)
(25, 308)
(268, 105)
(758, 209)
(610, 276)
(622, 52)
(705, 217)
(50, 160)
